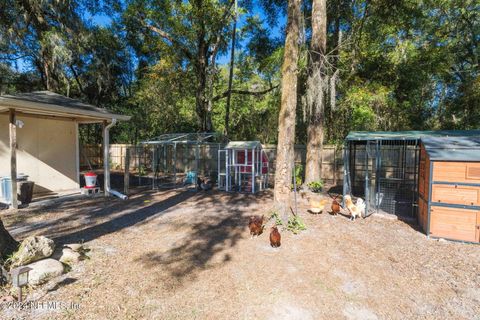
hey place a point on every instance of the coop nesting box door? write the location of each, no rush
(466, 195)
(454, 223)
(461, 172)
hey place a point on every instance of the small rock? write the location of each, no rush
(69, 256)
(32, 249)
(77, 247)
(44, 270)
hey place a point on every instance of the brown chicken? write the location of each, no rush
(255, 224)
(275, 237)
(335, 207)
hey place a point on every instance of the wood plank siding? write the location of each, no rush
(454, 223)
(453, 184)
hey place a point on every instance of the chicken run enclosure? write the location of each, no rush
(383, 168)
(178, 159)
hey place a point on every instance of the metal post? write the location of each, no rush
(415, 183)
(175, 165)
(234, 165)
(227, 170)
(346, 171)
(218, 167)
(126, 175)
(164, 159)
(253, 170)
(334, 165)
(106, 141)
(353, 172)
(367, 187)
(197, 155)
(185, 158)
(377, 174)
(154, 166)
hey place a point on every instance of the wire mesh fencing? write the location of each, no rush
(153, 167)
(385, 173)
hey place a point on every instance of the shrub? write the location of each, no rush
(274, 215)
(315, 186)
(298, 176)
(295, 224)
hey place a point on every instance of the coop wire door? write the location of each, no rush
(370, 177)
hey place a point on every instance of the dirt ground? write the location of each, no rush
(188, 255)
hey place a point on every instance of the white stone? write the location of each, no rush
(44, 270)
(69, 256)
(77, 247)
(32, 249)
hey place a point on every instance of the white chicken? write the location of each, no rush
(357, 210)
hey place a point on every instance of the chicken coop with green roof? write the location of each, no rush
(449, 187)
(384, 168)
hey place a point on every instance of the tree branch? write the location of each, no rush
(246, 92)
(219, 36)
(165, 35)
(77, 80)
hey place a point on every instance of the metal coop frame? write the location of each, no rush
(382, 167)
(167, 149)
(243, 167)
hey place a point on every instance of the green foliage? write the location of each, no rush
(142, 170)
(295, 224)
(298, 174)
(402, 65)
(315, 186)
(278, 220)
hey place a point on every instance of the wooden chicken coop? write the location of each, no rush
(449, 187)
(382, 167)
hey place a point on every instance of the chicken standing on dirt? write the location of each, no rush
(355, 210)
(335, 207)
(317, 206)
(275, 237)
(255, 224)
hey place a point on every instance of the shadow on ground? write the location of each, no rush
(93, 218)
(206, 242)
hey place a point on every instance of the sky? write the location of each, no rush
(103, 20)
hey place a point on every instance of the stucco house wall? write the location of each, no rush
(47, 152)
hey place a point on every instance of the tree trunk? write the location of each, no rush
(317, 85)
(8, 244)
(204, 115)
(230, 76)
(286, 119)
(200, 97)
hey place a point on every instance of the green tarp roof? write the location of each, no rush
(452, 148)
(243, 144)
(408, 135)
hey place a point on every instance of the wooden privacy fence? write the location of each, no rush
(91, 157)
